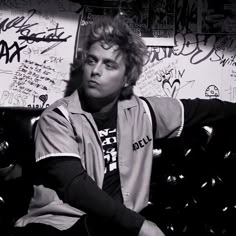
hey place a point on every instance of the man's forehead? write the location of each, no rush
(113, 48)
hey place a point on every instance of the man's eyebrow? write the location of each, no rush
(106, 60)
(91, 55)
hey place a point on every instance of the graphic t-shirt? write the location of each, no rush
(106, 123)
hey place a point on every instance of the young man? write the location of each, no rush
(94, 148)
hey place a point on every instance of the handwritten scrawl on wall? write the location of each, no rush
(37, 39)
(199, 65)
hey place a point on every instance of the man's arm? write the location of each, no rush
(202, 112)
(150, 229)
(74, 186)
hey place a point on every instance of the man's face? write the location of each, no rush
(104, 72)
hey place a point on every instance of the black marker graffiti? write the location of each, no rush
(43, 98)
(51, 47)
(231, 61)
(10, 52)
(53, 36)
(171, 87)
(19, 22)
(212, 91)
(24, 29)
(170, 81)
(198, 47)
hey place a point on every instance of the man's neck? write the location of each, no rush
(97, 106)
(100, 106)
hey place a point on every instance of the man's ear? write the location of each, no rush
(126, 84)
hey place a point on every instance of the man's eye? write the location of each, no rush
(90, 61)
(110, 66)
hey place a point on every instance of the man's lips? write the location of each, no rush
(92, 82)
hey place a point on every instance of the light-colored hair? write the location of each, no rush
(115, 31)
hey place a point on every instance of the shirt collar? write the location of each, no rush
(74, 105)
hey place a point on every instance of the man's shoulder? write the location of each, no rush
(56, 104)
(163, 102)
(155, 101)
(57, 107)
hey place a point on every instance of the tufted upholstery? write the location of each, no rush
(193, 183)
(193, 179)
(16, 150)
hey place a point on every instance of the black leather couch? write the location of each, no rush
(16, 160)
(193, 179)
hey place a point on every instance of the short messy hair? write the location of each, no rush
(115, 31)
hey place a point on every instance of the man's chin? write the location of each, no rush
(93, 94)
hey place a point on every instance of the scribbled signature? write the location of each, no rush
(198, 48)
(24, 28)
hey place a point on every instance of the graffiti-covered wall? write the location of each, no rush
(202, 62)
(197, 66)
(38, 40)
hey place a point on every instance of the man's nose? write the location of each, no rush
(97, 69)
